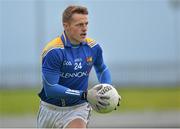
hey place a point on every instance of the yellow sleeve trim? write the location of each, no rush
(90, 42)
(55, 43)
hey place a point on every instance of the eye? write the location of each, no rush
(79, 25)
(82, 24)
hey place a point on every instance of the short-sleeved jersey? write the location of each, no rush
(71, 65)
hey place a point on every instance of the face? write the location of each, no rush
(76, 29)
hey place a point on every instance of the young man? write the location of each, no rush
(66, 63)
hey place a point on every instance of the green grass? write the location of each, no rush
(22, 101)
(19, 101)
(153, 99)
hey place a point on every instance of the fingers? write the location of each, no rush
(104, 102)
(119, 102)
(98, 87)
(102, 99)
(119, 97)
(103, 96)
(100, 106)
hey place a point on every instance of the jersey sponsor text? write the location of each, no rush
(72, 75)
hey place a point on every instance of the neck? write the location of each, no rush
(73, 42)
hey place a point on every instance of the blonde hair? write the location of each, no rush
(72, 9)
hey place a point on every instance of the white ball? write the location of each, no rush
(110, 91)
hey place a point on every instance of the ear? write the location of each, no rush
(65, 25)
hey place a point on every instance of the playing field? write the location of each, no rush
(26, 101)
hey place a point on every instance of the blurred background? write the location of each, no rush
(141, 43)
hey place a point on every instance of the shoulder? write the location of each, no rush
(56, 43)
(91, 42)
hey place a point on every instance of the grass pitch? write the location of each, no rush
(26, 101)
(152, 99)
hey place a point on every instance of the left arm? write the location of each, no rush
(101, 69)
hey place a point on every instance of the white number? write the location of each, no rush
(77, 66)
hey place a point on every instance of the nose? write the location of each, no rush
(84, 28)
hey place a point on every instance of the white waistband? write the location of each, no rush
(54, 107)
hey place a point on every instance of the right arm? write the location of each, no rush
(51, 63)
(51, 66)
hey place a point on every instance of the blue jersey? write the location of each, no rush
(66, 68)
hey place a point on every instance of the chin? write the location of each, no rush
(83, 39)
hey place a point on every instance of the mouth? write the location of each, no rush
(83, 35)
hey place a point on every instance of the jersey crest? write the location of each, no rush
(55, 43)
(90, 42)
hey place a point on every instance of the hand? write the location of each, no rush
(97, 99)
(119, 101)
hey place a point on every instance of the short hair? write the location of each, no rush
(72, 9)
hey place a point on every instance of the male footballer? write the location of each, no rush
(66, 63)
